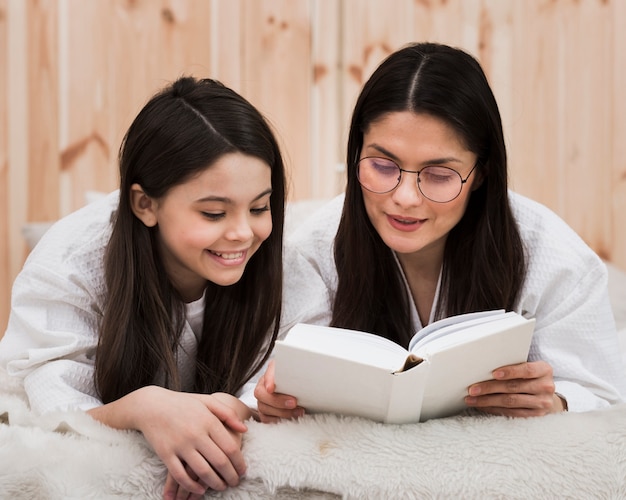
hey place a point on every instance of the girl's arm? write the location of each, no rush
(197, 436)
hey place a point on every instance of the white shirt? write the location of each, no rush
(565, 291)
(57, 306)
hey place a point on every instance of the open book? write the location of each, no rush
(336, 370)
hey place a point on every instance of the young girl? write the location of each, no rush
(428, 229)
(171, 284)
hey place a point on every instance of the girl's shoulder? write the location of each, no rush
(79, 238)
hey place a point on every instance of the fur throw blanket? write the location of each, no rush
(70, 456)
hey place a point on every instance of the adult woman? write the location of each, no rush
(429, 229)
(171, 284)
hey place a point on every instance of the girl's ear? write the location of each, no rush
(143, 206)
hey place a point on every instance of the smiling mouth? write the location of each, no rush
(228, 256)
(405, 221)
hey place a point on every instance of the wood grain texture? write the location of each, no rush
(73, 74)
(5, 262)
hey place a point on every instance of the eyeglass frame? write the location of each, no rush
(463, 181)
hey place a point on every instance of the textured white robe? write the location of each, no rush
(565, 290)
(57, 305)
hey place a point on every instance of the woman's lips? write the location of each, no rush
(406, 224)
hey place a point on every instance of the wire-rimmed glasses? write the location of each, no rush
(436, 183)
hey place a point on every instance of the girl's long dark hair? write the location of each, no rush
(484, 261)
(181, 131)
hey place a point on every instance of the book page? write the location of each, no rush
(360, 347)
(324, 384)
(451, 324)
(456, 366)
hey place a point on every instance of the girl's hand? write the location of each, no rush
(174, 491)
(197, 436)
(274, 406)
(522, 390)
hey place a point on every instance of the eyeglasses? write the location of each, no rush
(438, 184)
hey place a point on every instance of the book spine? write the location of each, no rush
(407, 392)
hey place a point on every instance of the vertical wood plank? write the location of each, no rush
(493, 47)
(617, 176)
(586, 120)
(152, 44)
(329, 134)
(371, 30)
(446, 22)
(561, 135)
(87, 148)
(536, 143)
(226, 30)
(17, 147)
(43, 112)
(5, 258)
(277, 78)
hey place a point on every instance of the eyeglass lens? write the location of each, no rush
(381, 175)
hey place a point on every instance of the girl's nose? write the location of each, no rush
(240, 230)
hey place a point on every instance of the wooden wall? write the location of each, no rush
(73, 74)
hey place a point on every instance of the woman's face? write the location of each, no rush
(210, 226)
(407, 222)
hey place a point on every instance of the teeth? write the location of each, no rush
(228, 256)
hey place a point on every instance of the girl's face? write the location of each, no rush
(407, 222)
(210, 226)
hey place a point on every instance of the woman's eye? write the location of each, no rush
(438, 175)
(385, 167)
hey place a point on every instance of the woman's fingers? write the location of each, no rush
(524, 389)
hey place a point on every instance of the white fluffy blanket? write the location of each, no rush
(70, 456)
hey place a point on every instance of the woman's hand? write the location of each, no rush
(274, 406)
(198, 436)
(522, 390)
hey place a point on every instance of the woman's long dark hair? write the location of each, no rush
(484, 261)
(181, 131)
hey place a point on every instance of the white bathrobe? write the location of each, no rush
(57, 305)
(565, 291)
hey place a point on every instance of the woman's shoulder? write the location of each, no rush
(309, 247)
(318, 224)
(550, 242)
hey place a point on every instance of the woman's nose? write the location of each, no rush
(407, 193)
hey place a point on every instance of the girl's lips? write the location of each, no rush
(406, 224)
(229, 258)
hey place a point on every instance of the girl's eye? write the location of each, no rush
(213, 215)
(260, 210)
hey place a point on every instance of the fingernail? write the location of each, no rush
(474, 391)
(290, 404)
(498, 374)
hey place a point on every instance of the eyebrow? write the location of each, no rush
(224, 199)
(436, 161)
